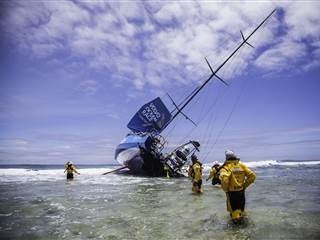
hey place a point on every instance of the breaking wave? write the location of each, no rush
(94, 174)
(270, 163)
(27, 174)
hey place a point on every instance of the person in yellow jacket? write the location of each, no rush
(235, 178)
(166, 170)
(195, 172)
(70, 169)
(214, 174)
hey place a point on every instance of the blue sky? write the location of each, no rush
(73, 73)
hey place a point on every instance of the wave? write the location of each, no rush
(53, 172)
(27, 174)
(271, 163)
(91, 175)
(88, 176)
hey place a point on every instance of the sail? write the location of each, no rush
(151, 117)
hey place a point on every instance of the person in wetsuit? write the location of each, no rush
(235, 178)
(70, 169)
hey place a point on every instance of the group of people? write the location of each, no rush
(234, 178)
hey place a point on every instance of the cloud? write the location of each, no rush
(152, 44)
(56, 148)
(89, 87)
(299, 40)
(113, 115)
(279, 56)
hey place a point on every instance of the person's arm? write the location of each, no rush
(212, 172)
(75, 170)
(224, 178)
(250, 176)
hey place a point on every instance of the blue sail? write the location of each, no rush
(151, 117)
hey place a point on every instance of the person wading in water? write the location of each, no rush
(235, 178)
(70, 169)
(195, 172)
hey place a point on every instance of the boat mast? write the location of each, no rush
(214, 73)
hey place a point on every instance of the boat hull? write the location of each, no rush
(131, 158)
(136, 153)
(142, 156)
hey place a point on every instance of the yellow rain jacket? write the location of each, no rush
(235, 176)
(195, 172)
(70, 169)
(213, 172)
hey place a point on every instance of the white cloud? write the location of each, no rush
(138, 83)
(153, 43)
(301, 30)
(280, 55)
(113, 115)
(169, 12)
(303, 20)
(56, 148)
(89, 87)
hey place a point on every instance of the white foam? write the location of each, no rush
(270, 163)
(94, 175)
(24, 175)
(264, 163)
(299, 163)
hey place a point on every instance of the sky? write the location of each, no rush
(73, 73)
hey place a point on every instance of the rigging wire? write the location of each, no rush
(210, 128)
(232, 110)
(170, 130)
(205, 135)
(203, 118)
(228, 119)
(211, 108)
(244, 83)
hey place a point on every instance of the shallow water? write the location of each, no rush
(283, 203)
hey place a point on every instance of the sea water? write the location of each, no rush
(37, 202)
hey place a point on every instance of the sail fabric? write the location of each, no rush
(151, 117)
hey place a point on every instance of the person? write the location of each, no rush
(70, 169)
(195, 172)
(166, 170)
(235, 178)
(214, 174)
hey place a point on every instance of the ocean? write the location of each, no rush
(37, 202)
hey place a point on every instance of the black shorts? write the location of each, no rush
(69, 175)
(237, 200)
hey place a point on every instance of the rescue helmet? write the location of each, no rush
(69, 163)
(230, 155)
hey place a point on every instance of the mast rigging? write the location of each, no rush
(214, 73)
